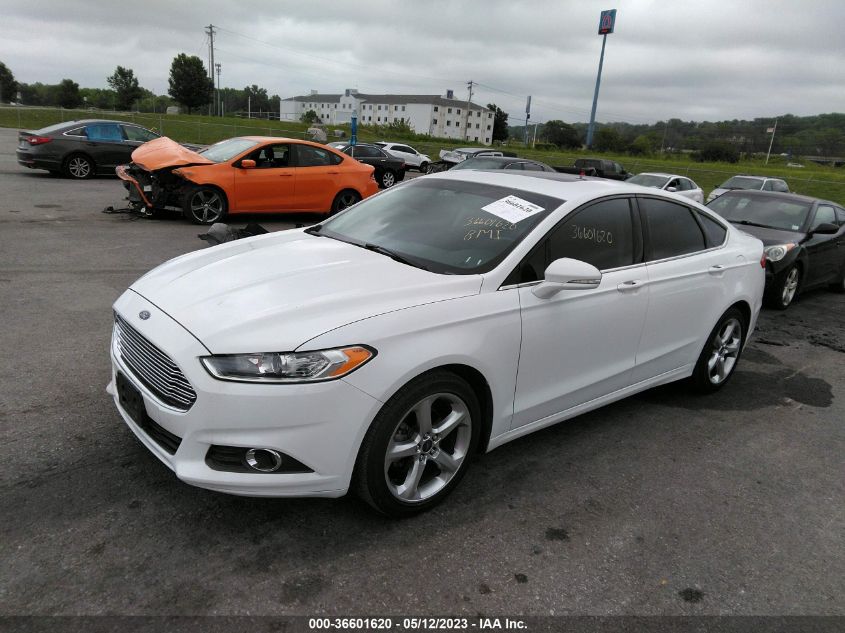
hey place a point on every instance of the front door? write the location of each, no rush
(581, 344)
(825, 256)
(270, 185)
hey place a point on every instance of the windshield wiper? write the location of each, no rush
(750, 223)
(314, 230)
(392, 255)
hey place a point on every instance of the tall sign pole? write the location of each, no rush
(527, 117)
(771, 131)
(606, 24)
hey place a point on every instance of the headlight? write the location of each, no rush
(778, 252)
(326, 364)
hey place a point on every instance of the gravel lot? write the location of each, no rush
(661, 504)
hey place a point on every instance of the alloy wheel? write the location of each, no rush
(346, 200)
(79, 167)
(725, 347)
(388, 179)
(790, 286)
(206, 206)
(428, 447)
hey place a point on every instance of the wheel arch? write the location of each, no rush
(745, 309)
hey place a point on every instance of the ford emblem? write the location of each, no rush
(144, 315)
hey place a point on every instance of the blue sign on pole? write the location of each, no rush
(607, 22)
(353, 136)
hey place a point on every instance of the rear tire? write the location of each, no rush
(388, 179)
(79, 167)
(718, 359)
(423, 167)
(345, 198)
(419, 445)
(204, 205)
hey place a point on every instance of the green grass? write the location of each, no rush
(813, 180)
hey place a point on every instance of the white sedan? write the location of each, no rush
(681, 185)
(383, 348)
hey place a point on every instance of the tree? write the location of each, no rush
(607, 139)
(717, 152)
(641, 146)
(310, 117)
(67, 94)
(8, 85)
(500, 122)
(561, 134)
(125, 84)
(258, 99)
(190, 84)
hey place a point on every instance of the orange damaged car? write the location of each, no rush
(249, 174)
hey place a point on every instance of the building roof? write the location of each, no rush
(388, 99)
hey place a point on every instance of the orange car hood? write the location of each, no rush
(164, 152)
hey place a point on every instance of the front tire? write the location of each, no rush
(784, 289)
(204, 205)
(718, 359)
(423, 167)
(419, 445)
(79, 167)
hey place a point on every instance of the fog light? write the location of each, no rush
(264, 460)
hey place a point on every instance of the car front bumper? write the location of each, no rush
(320, 425)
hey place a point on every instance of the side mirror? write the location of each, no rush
(825, 228)
(247, 163)
(671, 189)
(567, 274)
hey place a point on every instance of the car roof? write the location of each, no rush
(662, 174)
(793, 197)
(506, 160)
(758, 177)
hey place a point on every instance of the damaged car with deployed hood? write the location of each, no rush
(251, 174)
(382, 349)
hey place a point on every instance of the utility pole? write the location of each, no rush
(771, 142)
(527, 119)
(469, 100)
(606, 24)
(219, 102)
(210, 32)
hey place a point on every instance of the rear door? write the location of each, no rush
(270, 185)
(687, 286)
(579, 345)
(318, 177)
(825, 254)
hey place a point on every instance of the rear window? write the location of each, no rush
(742, 182)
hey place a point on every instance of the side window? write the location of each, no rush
(515, 166)
(672, 229)
(362, 151)
(404, 148)
(80, 131)
(674, 183)
(768, 185)
(135, 133)
(309, 156)
(715, 232)
(780, 185)
(840, 216)
(104, 132)
(824, 215)
(271, 156)
(601, 235)
(531, 167)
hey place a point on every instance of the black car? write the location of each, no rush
(81, 149)
(804, 239)
(503, 162)
(389, 169)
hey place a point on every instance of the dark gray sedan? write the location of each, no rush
(81, 149)
(504, 162)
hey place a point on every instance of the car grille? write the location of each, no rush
(153, 367)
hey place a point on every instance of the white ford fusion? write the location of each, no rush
(383, 348)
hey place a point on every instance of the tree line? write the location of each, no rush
(190, 87)
(818, 135)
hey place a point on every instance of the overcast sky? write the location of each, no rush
(702, 60)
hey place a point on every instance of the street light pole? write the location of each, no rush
(606, 24)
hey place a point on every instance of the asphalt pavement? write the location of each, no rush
(665, 503)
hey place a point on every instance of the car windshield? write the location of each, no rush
(648, 180)
(773, 212)
(226, 150)
(742, 182)
(481, 163)
(443, 225)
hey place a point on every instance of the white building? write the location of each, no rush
(434, 115)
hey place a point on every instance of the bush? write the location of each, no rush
(716, 153)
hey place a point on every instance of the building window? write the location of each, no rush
(476, 138)
(489, 115)
(435, 108)
(434, 121)
(488, 127)
(478, 113)
(448, 123)
(459, 111)
(378, 119)
(477, 125)
(403, 108)
(449, 111)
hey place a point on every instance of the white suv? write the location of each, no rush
(407, 153)
(760, 183)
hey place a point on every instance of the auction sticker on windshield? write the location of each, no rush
(512, 209)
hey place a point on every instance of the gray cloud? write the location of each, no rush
(668, 58)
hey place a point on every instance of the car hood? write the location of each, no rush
(275, 292)
(164, 152)
(772, 236)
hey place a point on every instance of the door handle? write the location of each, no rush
(718, 269)
(332, 173)
(627, 286)
(285, 175)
